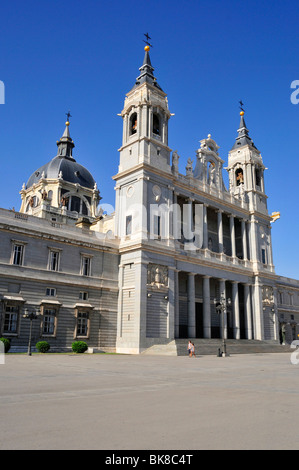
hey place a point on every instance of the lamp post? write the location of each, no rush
(31, 316)
(221, 309)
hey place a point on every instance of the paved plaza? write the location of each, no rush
(120, 402)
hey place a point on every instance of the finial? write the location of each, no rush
(148, 45)
(68, 115)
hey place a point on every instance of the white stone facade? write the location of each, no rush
(155, 269)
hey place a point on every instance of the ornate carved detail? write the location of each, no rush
(268, 295)
(157, 275)
(157, 192)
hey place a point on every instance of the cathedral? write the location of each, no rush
(182, 256)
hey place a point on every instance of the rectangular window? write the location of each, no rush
(85, 265)
(82, 323)
(51, 292)
(54, 258)
(128, 225)
(83, 295)
(263, 256)
(11, 319)
(49, 321)
(157, 225)
(17, 257)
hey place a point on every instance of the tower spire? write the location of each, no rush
(146, 70)
(243, 133)
(65, 144)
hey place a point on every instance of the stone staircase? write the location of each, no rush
(205, 347)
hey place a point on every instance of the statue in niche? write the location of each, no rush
(239, 177)
(157, 275)
(64, 201)
(44, 195)
(268, 295)
(212, 173)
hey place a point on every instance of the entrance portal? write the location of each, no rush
(199, 320)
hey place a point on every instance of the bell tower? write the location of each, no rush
(246, 181)
(246, 170)
(145, 122)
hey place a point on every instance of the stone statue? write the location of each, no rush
(175, 162)
(64, 201)
(189, 167)
(212, 174)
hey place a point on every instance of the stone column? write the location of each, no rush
(270, 249)
(276, 328)
(143, 207)
(232, 234)
(206, 307)
(205, 226)
(171, 307)
(247, 306)
(258, 309)
(125, 128)
(120, 300)
(175, 218)
(220, 231)
(254, 244)
(191, 305)
(236, 309)
(190, 218)
(223, 320)
(244, 239)
(176, 303)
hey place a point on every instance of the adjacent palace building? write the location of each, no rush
(156, 269)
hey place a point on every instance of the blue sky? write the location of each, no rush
(84, 57)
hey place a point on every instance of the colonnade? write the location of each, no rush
(232, 227)
(208, 308)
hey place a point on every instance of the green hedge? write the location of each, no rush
(42, 346)
(79, 347)
(6, 344)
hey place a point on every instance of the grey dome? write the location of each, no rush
(71, 171)
(64, 166)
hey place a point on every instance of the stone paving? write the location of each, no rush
(120, 402)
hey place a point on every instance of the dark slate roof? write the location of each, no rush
(243, 136)
(72, 172)
(146, 75)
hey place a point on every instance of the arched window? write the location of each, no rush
(133, 124)
(32, 201)
(156, 124)
(239, 176)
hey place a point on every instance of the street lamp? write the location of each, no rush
(221, 309)
(31, 316)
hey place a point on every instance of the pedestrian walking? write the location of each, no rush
(189, 348)
(192, 350)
